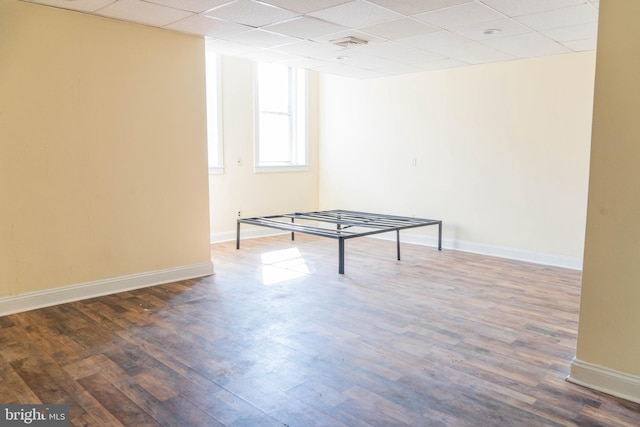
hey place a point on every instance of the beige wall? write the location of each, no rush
(240, 188)
(102, 149)
(502, 152)
(610, 306)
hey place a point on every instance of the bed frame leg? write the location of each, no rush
(398, 242)
(340, 256)
(440, 236)
(292, 233)
(238, 236)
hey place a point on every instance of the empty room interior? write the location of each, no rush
(136, 136)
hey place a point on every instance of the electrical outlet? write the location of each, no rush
(239, 161)
(239, 214)
(414, 161)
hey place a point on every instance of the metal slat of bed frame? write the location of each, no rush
(369, 223)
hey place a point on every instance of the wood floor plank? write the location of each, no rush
(277, 338)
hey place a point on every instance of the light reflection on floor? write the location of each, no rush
(282, 265)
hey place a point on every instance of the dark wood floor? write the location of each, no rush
(278, 338)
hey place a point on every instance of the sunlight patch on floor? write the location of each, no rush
(282, 265)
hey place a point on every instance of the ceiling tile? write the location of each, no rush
(79, 5)
(527, 45)
(576, 32)
(485, 55)
(428, 41)
(526, 7)
(388, 50)
(206, 26)
(400, 28)
(581, 45)
(261, 38)
(230, 48)
(350, 72)
(413, 7)
(191, 5)
(305, 27)
(505, 27)
(568, 16)
(420, 58)
(355, 14)
(250, 12)
(401, 34)
(398, 68)
(444, 64)
(311, 49)
(305, 6)
(457, 16)
(457, 49)
(364, 61)
(143, 12)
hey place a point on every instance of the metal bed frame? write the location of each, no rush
(348, 225)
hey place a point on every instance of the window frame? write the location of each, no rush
(298, 123)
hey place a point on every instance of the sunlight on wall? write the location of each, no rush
(283, 265)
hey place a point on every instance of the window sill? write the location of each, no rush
(281, 168)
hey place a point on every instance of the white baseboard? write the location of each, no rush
(46, 298)
(609, 381)
(497, 251)
(425, 240)
(246, 232)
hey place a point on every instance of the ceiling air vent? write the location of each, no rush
(349, 42)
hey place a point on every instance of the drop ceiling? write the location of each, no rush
(395, 36)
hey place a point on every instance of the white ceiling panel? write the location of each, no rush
(355, 14)
(472, 53)
(206, 26)
(191, 5)
(142, 12)
(413, 7)
(401, 35)
(252, 13)
(444, 64)
(569, 16)
(305, 27)
(387, 49)
(262, 38)
(431, 40)
(322, 51)
(398, 29)
(527, 45)
(305, 6)
(352, 72)
(514, 8)
(581, 45)
(491, 29)
(79, 5)
(420, 58)
(457, 16)
(398, 69)
(576, 32)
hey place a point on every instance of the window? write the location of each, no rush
(281, 118)
(214, 112)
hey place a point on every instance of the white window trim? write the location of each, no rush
(280, 167)
(219, 169)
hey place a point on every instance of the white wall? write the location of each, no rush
(240, 188)
(502, 152)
